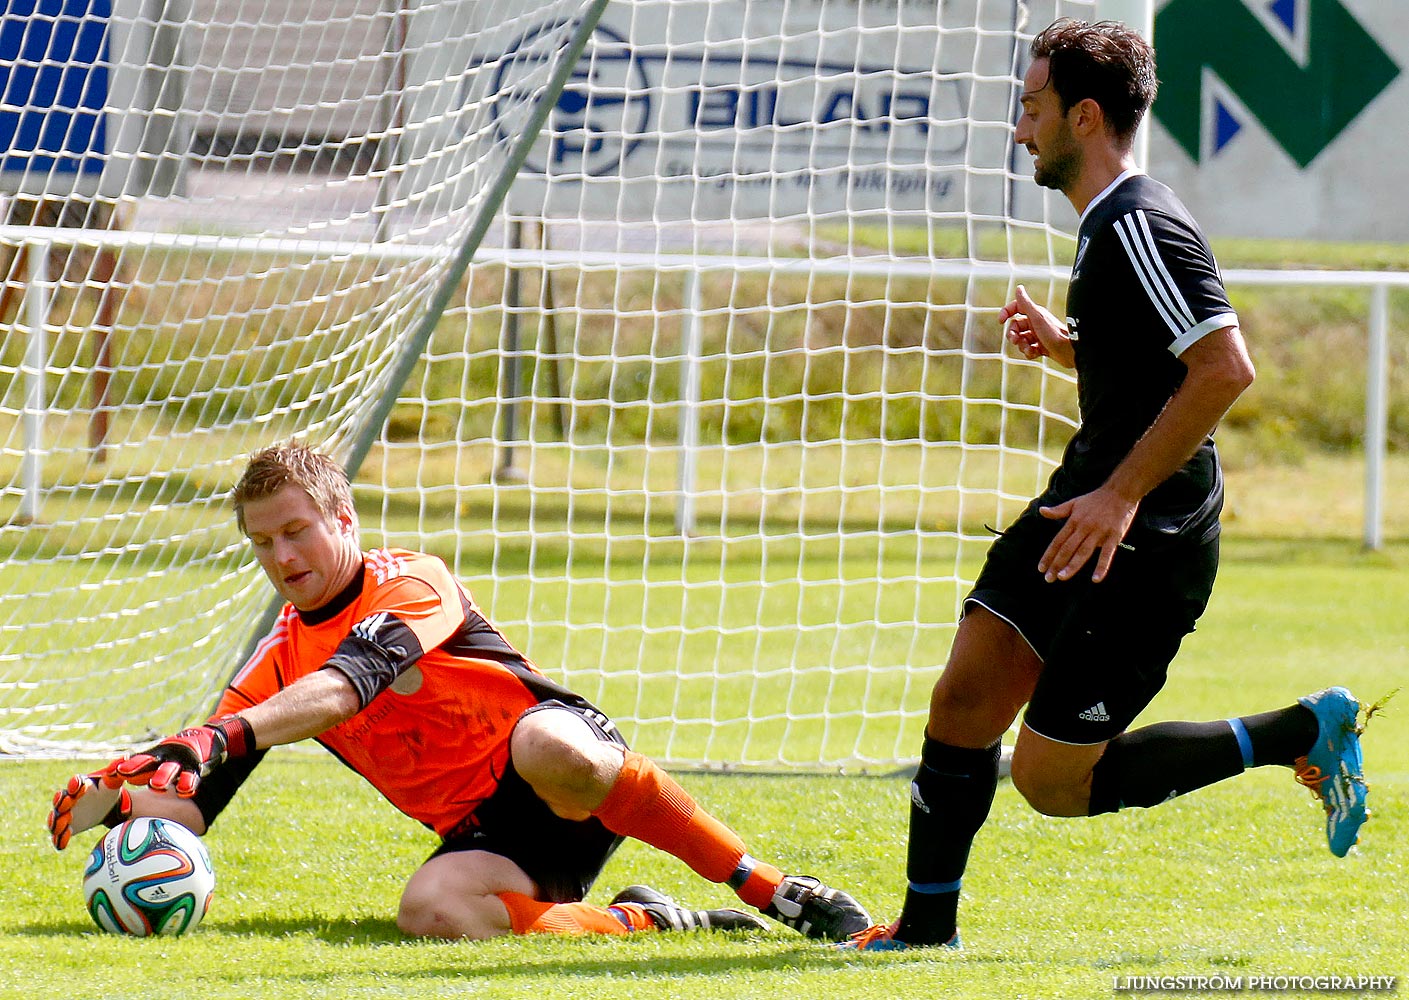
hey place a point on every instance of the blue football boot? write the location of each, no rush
(881, 937)
(1333, 768)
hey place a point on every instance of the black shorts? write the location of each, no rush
(564, 857)
(1105, 647)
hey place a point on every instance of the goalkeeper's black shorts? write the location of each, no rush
(564, 857)
(1105, 647)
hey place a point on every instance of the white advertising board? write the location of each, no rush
(1285, 118)
(763, 109)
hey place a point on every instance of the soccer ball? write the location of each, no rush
(148, 876)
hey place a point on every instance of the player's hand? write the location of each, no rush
(181, 761)
(1096, 524)
(85, 801)
(1035, 331)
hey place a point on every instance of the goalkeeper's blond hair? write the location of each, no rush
(293, 463)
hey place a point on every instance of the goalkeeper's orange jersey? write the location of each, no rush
(441, 688)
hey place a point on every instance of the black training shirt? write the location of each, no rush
(1144, 287)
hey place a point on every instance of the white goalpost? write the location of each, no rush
(711, 415)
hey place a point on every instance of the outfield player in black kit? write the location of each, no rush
(1084, 599)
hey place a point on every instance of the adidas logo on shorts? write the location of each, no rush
(1096, 713)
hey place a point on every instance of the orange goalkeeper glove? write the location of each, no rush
(181, 761)
(86, 801)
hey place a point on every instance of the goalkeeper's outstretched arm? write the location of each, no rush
(88, 800)
(306, 708)
(162, 780)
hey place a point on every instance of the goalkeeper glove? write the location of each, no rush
(181, 761)
(86, 801)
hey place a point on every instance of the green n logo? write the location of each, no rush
(1303, 68)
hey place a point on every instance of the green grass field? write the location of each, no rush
(1234, 880)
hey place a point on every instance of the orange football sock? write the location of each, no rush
(649, 805)
(532, 916)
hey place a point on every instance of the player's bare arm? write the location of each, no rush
(1219, 369)
(306, 708)
(1035, 331)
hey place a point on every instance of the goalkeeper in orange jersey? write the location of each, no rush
(384, 658)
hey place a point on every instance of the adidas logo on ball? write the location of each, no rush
(148, 876)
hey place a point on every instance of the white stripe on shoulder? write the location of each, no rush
(1167, 278)
(1133, 251)
(1198, 333)
(277, 636)
(1133, 230)
(384, 565)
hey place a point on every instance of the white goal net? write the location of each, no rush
(711, 426)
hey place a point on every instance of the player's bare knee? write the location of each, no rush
(563, 762)
(429, 922)
(1047, 800)
(968, 715)
(426, 915)
(955, 701)
(417, 915)
(531, 743)
(415, 918)
(1048, 794)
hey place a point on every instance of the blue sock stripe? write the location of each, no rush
(741, 874)
(935, 888)
(1240, 731)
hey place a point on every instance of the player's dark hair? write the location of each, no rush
(1106, 62)
(293, 463)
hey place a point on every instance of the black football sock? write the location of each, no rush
(1278, 737)
(1159, 762)
(949, 801)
